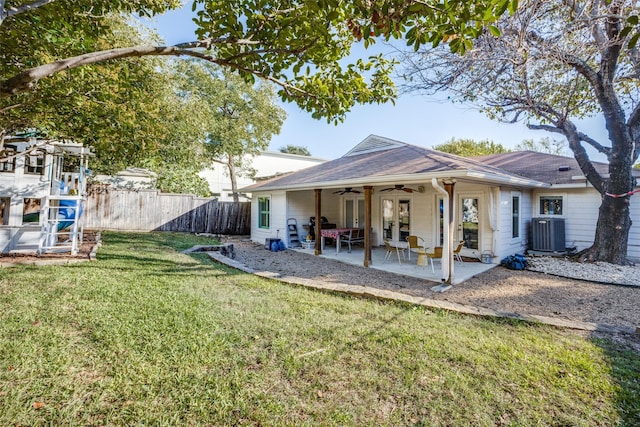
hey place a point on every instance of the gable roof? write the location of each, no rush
(379, 160)
(550, 168)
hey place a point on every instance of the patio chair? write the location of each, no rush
(414, 243)
(355, 235)
(456, 251)
(391, 249)
(436, 254)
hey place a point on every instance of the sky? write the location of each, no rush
(414, 119)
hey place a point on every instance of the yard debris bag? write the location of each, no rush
(514, 262)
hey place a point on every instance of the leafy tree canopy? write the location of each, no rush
(297, 44)
(128, 111)
(240, 117)
(470, 148)
(295, 149)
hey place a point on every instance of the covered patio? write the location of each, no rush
(406, 267)
(389, 191)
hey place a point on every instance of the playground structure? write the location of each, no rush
(42, 192)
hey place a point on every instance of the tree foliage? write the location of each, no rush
(470, 148)
(549, 64)
(295, 149)
(240, 118)
(127, 110)
(297, 44)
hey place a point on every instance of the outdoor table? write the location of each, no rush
(333, 233)
(422, 256)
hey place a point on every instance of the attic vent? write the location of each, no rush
(564, 168)
(374, 143)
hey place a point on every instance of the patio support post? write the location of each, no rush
(448, 186)
(368, 190)
(447, 253)
(318, 223)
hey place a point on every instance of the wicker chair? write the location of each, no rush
(391, 249)
(456, 252)
(436, 254)
(414, 243)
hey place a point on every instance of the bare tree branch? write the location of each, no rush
(595, 144)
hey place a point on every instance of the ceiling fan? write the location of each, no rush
(399, 187)
(347, 190)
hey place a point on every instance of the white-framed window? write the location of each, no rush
(551, 205)
(34, 163)
(515, 215)
(9, 165)
(264, 212)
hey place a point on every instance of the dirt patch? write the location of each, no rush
(85, 250)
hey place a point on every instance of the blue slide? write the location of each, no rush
(67, 210)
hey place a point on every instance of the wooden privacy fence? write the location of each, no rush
(147, 210)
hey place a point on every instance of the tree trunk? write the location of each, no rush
(612, 232)
(614, 220)
(233, 178)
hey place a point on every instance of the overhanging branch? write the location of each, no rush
(547, 128)
(17, 10)
(26, 80)
(580, 137)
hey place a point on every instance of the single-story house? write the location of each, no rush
(393, 189)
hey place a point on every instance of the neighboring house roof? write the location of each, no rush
(550, 168)
(269, 164)
(383, 160)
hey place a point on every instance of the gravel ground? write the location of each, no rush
(525, 292)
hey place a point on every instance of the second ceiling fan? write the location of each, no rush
(347, 190)
(399, 187)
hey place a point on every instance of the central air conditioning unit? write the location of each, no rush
(547, 234)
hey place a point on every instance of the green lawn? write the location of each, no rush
(149, 336)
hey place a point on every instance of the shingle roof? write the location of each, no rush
(395, 159)
(543, 167)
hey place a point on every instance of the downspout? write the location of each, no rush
(447, 255)
(494, 194)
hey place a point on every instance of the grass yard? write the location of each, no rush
(148, 335)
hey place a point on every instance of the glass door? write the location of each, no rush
(468, 227)
(396, 218)
(388, 208)
(404, 219)
(354, 213)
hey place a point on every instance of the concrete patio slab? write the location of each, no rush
(462, 270)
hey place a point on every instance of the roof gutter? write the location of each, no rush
(407, 179)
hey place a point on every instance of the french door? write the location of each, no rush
(467, 219)
(396, 218)
(469, 222)
(354, 213)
